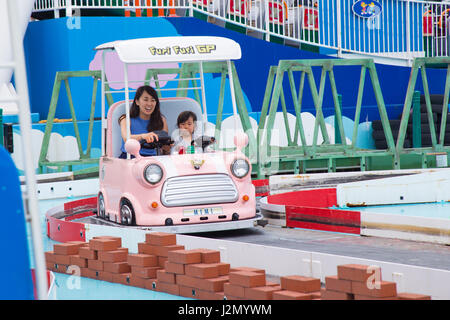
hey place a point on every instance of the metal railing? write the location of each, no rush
(401, 29)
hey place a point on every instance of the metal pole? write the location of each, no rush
(202, 84)
(233, 96)
(127, 103)
(32, 215)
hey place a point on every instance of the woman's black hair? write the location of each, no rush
(184, 116)
(156, 121)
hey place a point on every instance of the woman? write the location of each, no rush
(145, 119)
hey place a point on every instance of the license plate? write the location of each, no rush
(202, 211)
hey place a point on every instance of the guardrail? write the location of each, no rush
(402, 29)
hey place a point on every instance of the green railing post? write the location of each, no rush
(416, 121)
(337, 134)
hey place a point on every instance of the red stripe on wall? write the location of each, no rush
(322, 198)
(82, 202)
(63, 231)
(325, 219)
(261, 187)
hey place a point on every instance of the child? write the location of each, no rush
(145, 118)
(186, 123)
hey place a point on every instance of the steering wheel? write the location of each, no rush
(163, 140)
(203, 141)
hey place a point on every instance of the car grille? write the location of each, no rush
(198, 190)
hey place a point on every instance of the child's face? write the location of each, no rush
(188, 125)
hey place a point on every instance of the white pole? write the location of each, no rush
(233, 96)
(25, 129)
(202, 84)
(103, 103)
(127, 103)
(339, 27)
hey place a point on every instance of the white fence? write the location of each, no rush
(390, 28)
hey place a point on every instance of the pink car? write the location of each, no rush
(208, 188)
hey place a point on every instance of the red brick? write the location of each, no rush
(161, 238)
(184, 280)
(49, 256)
(170, 288)
(89, 273)
(105, 276)
(164, 276)
(102, 244)
(357, 272)
(213, 284)
(209, 256)
(78, 261)
(233, 298)
(188, 292)
(144, 272)
(300, 284)
(151, 284)
(261, 293)
(118, 240)
(233, 290)
(60, 268)
(136, 281)
(146, 248)
(50, 265)
(336, 295)
(202, 270)
(162, 261)
(290, 295)
(412, 296)
(316, 295)
(95, 265)
(117, 267)
(335, 284)
(361, 297)
(113, 256)
(122, 278)
(224, 268)
(208, 295)
(66, 248)
(61, 259)
(163, 251)
(247, 279)
(382, 289)
(87, 253)
(142, 260)
(176, 268)
(185, 256)
(249, 269)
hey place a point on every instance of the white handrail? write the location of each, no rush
(396, 32)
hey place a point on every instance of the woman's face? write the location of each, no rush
(146, 104)
(188, 125)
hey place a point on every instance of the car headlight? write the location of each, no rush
(153, 173)
(240, 168)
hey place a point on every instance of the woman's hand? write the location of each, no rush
(149, 137)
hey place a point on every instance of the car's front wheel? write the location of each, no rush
(126, 213)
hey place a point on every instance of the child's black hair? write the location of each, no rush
(184, 116)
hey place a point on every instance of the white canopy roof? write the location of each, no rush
(174, 49)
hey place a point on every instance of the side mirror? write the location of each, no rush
(240, 140)
(133, 147)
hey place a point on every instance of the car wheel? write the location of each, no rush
(101, 211)
(126, 213)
